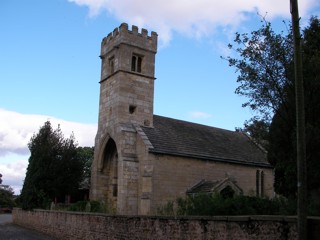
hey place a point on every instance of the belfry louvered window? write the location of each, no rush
(136, 63)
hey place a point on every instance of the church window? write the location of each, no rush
(111, 65)
(133, 63)
(115, 190)
(132, 109)
(259, 183)
(262, 184)
(139, 64)
(136, 63)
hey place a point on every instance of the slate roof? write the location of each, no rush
(181, 138)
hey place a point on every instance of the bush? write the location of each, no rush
(78, 206)
(168, 209)
(215, 205)
(91, 206)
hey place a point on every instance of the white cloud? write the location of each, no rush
(15, 133)
(194, 18)
(13, 174)
(17, 129)
(199, 115)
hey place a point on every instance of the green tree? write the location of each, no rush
(6, 195)
(266, 77)
(258, 129)
(54, 169)
(264, 60)
(282, 131)
(85, 155)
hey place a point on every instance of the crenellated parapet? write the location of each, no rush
(123, 35)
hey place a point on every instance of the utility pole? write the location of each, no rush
(300, 124)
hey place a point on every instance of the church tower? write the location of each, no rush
(127, 77)
(126, 101)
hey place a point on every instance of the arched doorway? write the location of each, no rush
(110, 173)
(227, 192)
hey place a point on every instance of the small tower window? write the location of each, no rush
(115, 190)
(136, 63)
(111, 65)
(139, 64)
(133, 63)
(132, 109)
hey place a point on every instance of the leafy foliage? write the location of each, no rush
(282, 150)
(265, 61)
(54, 169)
(265, 68)
(6, 197)
(91, 206)
(257, 129)
(85, 155)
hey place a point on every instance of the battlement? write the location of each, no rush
(123, 35)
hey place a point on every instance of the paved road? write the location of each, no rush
(10, 231)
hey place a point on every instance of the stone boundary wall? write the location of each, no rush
(75, 225)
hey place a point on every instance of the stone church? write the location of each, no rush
(143, 160)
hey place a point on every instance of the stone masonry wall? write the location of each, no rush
(70, 225)
(173, 176)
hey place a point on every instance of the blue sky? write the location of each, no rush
(50, 66)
